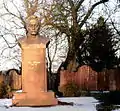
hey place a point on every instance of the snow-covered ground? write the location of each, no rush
(117, 109)
(80, 104)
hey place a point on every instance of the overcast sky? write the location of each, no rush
(6, 61)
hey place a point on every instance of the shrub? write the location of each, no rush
(2, 89)
(70, 90)
(84, 93)
(5, 90)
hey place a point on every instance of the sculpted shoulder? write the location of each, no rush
(37, 40)
(44, 40)
(22, 40)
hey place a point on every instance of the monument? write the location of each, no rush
(34, 76)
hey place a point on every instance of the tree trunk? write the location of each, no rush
(70, 62)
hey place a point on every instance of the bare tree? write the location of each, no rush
(69, 17)
(15, 27)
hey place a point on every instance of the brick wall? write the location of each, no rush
(85, 77)
(89, 79)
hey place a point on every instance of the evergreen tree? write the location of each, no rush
(99, 51)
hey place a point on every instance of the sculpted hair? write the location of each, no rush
(33, 17)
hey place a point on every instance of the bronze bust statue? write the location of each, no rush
(32, 36)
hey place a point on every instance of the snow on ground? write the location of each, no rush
(116, 110)
(80, 104)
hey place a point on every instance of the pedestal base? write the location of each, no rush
(37, 99)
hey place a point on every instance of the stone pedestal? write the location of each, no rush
(34, 78)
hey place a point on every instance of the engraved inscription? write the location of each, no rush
(33, 65)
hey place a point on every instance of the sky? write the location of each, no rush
(8, 26)
(6, 61)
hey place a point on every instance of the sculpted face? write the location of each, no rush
(33, 25)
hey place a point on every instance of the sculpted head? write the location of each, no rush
(33, 25)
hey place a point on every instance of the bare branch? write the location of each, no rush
(10, 12)
(20, 16)
(7, 42)
(3, 50)
(56, 40)
(32, 9)
(115, 27)
(26, 3)
(79, 4)
(71, 3)
(89, 12)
